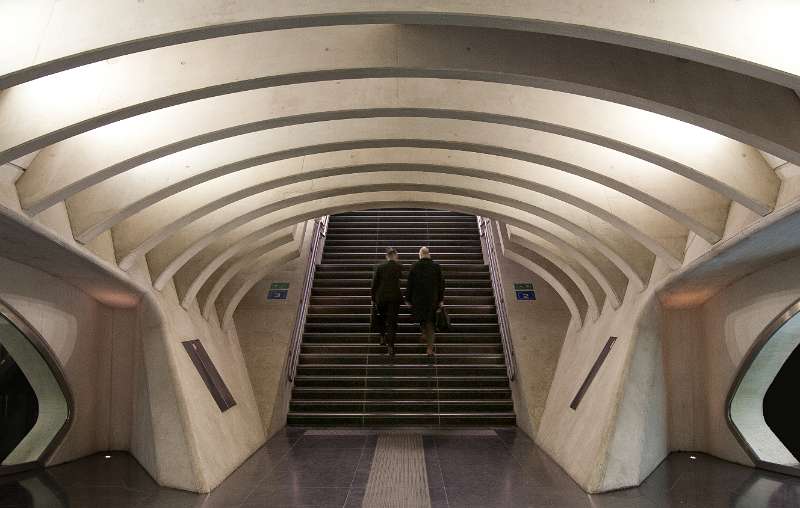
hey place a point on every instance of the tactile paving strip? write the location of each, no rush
(398, 478)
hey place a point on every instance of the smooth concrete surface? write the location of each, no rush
(52, 408)
(78, 329)
(704, 350)
(537, 330)
(648, 176)
(663, 28)
(583, 438)
(264, 328)
(414, 51)
(458, 468)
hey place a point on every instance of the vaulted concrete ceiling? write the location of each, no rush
(201, 138)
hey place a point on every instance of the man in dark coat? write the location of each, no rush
(425, 294)
(386, 296)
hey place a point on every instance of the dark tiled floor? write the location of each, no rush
(464, 469)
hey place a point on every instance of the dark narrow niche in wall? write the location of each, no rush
(210, 375)
(592, 373)
(780, 404)
(19, 407)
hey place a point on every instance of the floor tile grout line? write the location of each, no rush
(528, 470)
(355, 472)
(271, 469)
(441, 472)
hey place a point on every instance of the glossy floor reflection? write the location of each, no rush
(465, 468)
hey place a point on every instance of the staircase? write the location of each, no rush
(344, 376)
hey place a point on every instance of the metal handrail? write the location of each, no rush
(487, 239)
(320, 230)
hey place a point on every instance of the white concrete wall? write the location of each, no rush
(537, 330)
(85, 336)
(264, 328)
(704, 349)
(617, 435)
(135, 387)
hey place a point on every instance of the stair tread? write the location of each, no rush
(409, 387)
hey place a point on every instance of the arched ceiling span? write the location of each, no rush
(361, 197)
(728, 167)
(696, 207)
(62, 36)
(266, 254)
(31, 119)
(199, 142)
(172, 242)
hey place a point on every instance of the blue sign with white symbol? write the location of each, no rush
(278, 294)
(526, 295)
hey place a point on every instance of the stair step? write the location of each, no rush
(460, 275)
(345, 377)
(403, 319)
(417, 236)
(401, 327)
(451, 270)
(402, 217)
(399, 244)
(365, 309)
(433, 418)
(328, 337)
(399, 405)
(361, 292)
(401, 348)
(416, 359)
(399, 377)
(328, 282)
(394, 393)
(450, 300)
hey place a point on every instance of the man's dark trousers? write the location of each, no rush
(387, 320)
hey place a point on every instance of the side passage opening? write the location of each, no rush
(762, 408)
(35, 405)
(780, 404)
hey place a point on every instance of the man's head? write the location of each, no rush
(424, 253)
(391, 254)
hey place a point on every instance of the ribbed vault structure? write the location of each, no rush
(603, 142)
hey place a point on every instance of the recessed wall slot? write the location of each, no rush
(592, 373)
(208, 372)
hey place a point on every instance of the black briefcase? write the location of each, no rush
(442, 320)
(375, 320)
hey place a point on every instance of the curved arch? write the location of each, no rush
(187, 254)
(592, 292)
(744, 405)
(205, 240)
(157, 236)
(87, 235)
(247, 261)
(725, 109)
(262, 244)
(549, 257)
(561, 22)
(559, 288)
(757, 204)
(235, 298)
(562, 291)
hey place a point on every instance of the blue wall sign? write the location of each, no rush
(526, 295)
(277, 294)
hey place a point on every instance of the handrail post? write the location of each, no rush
(320, 230)
(487, 239)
